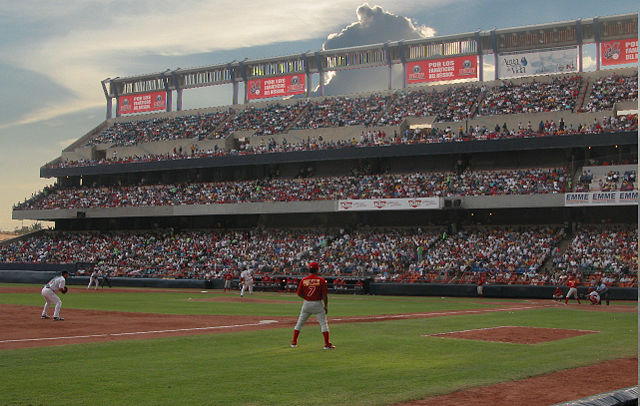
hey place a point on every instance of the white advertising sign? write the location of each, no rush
(514, 65)
(418, 203)
(617, 198)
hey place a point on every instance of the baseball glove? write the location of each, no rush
(64, 290)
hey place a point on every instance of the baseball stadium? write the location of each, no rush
(474, 225)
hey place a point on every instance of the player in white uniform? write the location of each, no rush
(49, 293)
(246, 278)
(94, 278)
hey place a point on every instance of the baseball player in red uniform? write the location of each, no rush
(573, 290)
(557, 294)
(313, 289)
(228, 277)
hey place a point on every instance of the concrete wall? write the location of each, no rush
(185, 210)
(316, 206)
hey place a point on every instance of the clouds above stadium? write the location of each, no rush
(374, 26)
(71, 46)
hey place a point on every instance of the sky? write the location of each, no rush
(53, 55)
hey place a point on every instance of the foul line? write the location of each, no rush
(497, 327)
(436, 314)
(261, 323)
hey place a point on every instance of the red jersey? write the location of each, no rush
(312, 287)
(572, 283)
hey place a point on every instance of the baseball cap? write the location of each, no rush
(313, 265)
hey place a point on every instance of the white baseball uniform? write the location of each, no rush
(49, 293)
(247, 281)
(93, 279)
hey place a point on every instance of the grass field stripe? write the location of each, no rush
(261, 323)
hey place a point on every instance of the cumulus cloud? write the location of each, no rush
(374, 25)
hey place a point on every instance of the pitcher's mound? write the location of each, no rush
(515, 334)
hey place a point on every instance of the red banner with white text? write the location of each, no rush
(437, 70)
(619, 52)
(141, 103)
(276, 87)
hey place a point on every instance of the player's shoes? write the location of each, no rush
(329, 347)
(294, 345)
(58, 319)
(44, 316)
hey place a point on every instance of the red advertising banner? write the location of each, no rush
(619, 52)
(276, 87)
(436, 70)
(140, 103)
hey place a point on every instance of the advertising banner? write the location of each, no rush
(436, 70)
(276, 87)
(617, 198)
(519, 64)
(418, 203)
(140, 103)
(619, 52)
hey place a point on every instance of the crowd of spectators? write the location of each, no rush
(276, 189)
(269, 120)
(532, 97)
(609, 251)
(612, 181)
(452, 104)
(194, 126)
(609, 90)
(343, 111)
(367, 139)
(200, 254)
(502, 255)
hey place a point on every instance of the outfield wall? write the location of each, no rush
(45, 273)
(498, 291)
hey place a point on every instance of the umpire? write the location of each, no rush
(105, 279)
(603, 291)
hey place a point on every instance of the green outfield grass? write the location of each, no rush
(375, 363)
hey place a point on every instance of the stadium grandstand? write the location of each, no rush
(523, 179)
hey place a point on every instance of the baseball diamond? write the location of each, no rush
(209, 328)
(409, 218)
